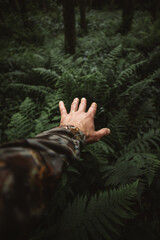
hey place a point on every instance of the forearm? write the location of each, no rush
(29, 172)
(30, 169)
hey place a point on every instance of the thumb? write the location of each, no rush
(101, 133)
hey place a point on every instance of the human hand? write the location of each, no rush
(83, 120)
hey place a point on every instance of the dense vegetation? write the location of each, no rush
(113, 192)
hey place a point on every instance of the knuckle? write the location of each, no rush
(63, 112)
(88, 115)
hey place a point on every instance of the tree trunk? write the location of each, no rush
(98, 4)
(43, 5)
(69, 26)
(127, 15)
(155, 8)
(15, 5)
(83, 21)
(23, 10)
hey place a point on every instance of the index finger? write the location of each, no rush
(93, 108)
(62, 109)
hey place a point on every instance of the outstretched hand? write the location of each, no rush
(78, 117)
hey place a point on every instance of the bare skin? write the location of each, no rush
(78, 117)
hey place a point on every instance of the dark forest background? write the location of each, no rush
(109, 52)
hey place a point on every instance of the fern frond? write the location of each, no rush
(156, 74)
(100, 216)
(19, 127)
(127, 73)
(48, 76)
(135, 90)
(60, 62)
(144, 142)
(151, 166)
(112, 57)
(42, 123)
(101, 151)
(129, 167)
(120, 173)
(28, 108)
(137, 160)
(119, 124)
(21, 124)
(146, 114)
(37, 90)
(17, 74)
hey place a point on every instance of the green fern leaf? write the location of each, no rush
(113, 206)
(37, 90)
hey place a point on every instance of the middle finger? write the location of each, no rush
(74, 105)
(83, 105)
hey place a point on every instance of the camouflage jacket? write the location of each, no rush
(29, 172)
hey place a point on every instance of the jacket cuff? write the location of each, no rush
(76, 132)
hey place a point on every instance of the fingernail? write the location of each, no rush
(94, 104)
(83, 98)
(108, 131)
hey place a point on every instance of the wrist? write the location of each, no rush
(76, 132)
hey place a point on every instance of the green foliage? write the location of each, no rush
(96, 196)
(21, 124)
(99, 217)
(36, 90)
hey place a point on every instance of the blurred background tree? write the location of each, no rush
(155, 9)
(69, 26)
(127, 15)
(83, 21)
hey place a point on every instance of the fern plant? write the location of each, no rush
(97, 218)
(21, 124)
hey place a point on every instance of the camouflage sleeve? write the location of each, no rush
(29, 172)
